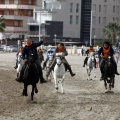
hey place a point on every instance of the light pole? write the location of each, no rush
(55, 38)
(91, 28)
(94, 40)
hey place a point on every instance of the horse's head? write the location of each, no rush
(109, 60)
(92, 56)
(59, 59)
(51, 57)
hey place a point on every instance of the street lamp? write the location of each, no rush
(55, 38)
(91, 28)
(94, 40)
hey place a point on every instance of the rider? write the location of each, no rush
(30, 46)
(91, 49)
(48, 53)
(61, 48)
(105, 50)
(19, 51)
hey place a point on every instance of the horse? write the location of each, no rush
(90, 65)
(109, 73)
(20, 64)
(59, 71)
(49, 62)
(31, 75)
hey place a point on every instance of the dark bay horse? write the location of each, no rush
(31, 76)
(109, 73)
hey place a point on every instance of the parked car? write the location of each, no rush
(2, 47)
(13, 48)
(6, 48)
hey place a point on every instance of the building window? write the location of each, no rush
(94, 20)
(99, 20)
(104, 20)
(77, 19)
(71, 19)
(6, 12)
(113, 19)
(30, 2)
(113, 9)
(15, 1)
(117, 9)
(15, 12)
(105, 9)
(94, 7)
(117, 19)
(71, 7)
(29, 13)
(16, 23)
(77, 7)
(99, 8)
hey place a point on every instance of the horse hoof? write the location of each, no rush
(36, 90)
(112, 86)
(94, 76)
(91, 79)
(56, 88)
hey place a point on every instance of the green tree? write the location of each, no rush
(111, 31)
(2, 24)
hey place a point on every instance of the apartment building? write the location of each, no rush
(16, 14)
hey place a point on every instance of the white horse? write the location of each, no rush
(91, 65)
(20, 64)
(59, 71)
(49, 62)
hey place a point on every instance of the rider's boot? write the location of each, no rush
(101, 78)
(42, 80)
(16, 66)
(44, 65)
(69, 68)
(117, 73)
(19, 79)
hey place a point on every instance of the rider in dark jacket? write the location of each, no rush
(30, 46)
(105, 50)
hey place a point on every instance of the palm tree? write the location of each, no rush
(2, 24)
(112, 30)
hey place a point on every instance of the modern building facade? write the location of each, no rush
(16, 14)
(68, 21)
(104, 11)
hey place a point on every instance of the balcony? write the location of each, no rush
(15, 29)
(14, 6)
(17, 17)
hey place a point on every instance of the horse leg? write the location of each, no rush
(94, 72)
(105, 84)
(32, 93)
(25, 90)
(62, 84)
(36, 90)
(113, 82)
(56, 83)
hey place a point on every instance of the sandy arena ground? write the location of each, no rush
(83, 99)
